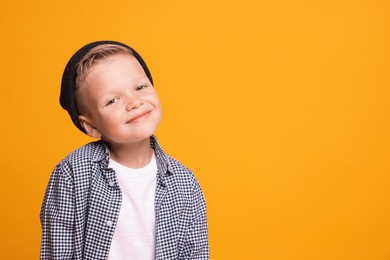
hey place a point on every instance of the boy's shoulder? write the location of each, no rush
(180, 174)
(80, 164)
(176, 170)
(177, 167)
(91, 152)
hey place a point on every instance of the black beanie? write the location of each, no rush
(67, 98)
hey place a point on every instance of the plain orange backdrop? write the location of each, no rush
(280, 107)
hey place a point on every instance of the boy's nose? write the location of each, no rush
(134, 103)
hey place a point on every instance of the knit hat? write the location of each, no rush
(67, 97)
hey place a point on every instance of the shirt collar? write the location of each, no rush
(102, 154)
(161, 156)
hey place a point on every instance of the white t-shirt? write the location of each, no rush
(134, 235)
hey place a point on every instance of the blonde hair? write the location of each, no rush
(90, 59)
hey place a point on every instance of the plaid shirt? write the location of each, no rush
(83, 199)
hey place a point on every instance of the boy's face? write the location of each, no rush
(121, 105)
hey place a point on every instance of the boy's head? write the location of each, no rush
(108, 91)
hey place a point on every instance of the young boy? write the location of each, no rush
(120, 197)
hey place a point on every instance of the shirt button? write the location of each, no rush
(109, 223)
(111, 183)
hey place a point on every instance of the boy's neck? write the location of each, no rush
(135, 155)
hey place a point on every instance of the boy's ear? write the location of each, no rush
(89, 128)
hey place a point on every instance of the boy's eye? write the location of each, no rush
(111, 101)
(140, 87)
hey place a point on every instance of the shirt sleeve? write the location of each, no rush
(57, 216)
(197, 236)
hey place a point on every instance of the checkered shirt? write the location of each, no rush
(83, 199)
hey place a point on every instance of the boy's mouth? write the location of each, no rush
(139, 117)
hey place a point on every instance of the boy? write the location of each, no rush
(120, 197)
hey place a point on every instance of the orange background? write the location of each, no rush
(280, 107)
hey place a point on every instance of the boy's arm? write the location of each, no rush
(57, 215)
(197, 237)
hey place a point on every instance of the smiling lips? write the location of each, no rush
(139, 117)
